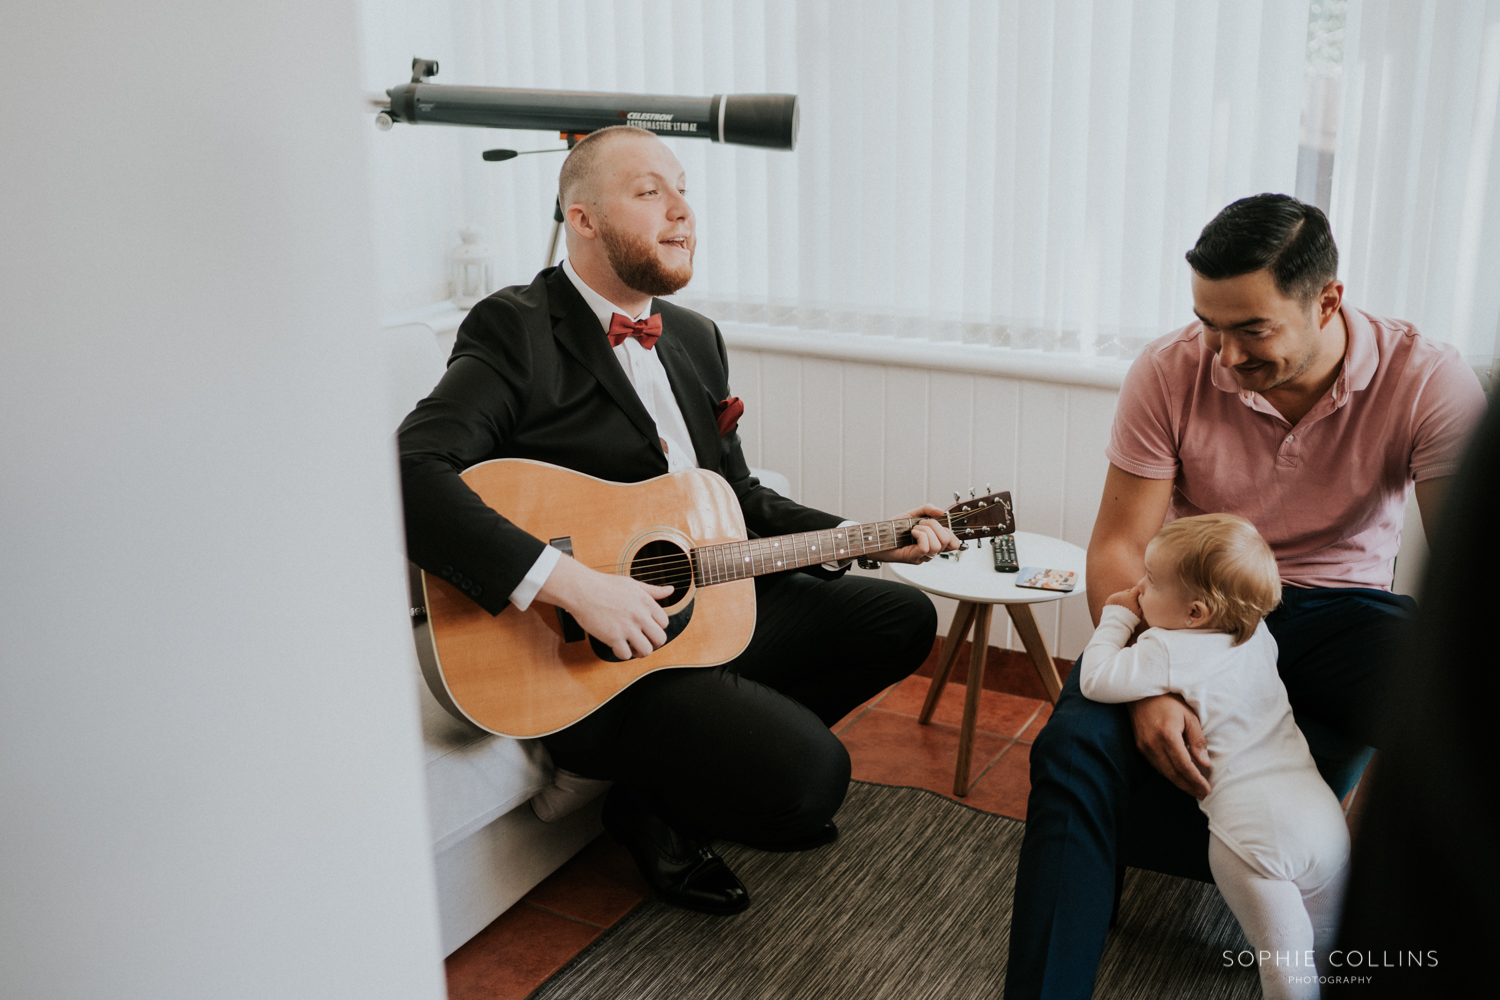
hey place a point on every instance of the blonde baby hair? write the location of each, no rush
(1223, 562)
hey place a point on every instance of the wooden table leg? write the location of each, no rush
(1036, 648)
(971, 698)
(962, 619)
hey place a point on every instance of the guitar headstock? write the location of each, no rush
(982, 517)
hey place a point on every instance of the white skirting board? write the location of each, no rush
(483, 875)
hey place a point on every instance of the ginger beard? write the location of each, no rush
(637, 262)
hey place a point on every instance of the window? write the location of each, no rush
(1020, 174)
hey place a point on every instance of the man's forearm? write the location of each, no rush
(1430, 495)
(453, 534)
(1131, 511)
(1111, 569)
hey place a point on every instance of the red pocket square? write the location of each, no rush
(729, 413)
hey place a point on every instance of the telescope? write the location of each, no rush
(765, 120)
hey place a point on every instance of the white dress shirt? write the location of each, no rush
(649, 379)
(647, 376)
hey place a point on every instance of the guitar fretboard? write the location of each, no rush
(737, 560)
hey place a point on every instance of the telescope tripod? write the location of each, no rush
(494, 155)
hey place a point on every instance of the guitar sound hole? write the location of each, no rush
(665, 565)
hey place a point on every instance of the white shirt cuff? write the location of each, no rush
(838, 564)
(535, 577)
(1120, 612)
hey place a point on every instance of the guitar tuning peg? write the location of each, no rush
(987, 490)
(971, 491)
(956, 497)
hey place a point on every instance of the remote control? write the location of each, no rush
(1005, 554)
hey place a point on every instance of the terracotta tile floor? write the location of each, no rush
(555, 921)
(562, 916)
(887, 746)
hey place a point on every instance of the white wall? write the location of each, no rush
(872, 441)
(209, 748)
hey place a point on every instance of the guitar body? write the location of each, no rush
(516, 673)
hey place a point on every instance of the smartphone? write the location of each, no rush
(1047, 579)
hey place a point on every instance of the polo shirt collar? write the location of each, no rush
(1361, 359)
(1361, 356)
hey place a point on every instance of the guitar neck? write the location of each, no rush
(758, 556)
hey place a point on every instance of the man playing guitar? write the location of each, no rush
(586, 369)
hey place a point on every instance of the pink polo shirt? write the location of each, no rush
(1329, 494)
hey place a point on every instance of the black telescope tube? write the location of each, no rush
(766, 120)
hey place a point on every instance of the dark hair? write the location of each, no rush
(1273, 232)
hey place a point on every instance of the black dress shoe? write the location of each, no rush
(682, 870)
(822, 836)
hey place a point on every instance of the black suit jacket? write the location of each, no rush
(532, 376)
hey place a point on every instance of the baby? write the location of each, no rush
(1278, 845)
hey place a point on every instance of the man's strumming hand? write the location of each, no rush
(620, 612)
(929, 537)
(1168, 733)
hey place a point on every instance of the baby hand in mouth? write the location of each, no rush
(1130, 600)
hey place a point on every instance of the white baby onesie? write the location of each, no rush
(1268, 804)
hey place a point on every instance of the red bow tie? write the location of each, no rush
(646, 331)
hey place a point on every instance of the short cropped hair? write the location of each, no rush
(1223, 562)
(1273, 232)
(576, 180)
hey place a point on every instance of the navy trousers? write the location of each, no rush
(1097, 802)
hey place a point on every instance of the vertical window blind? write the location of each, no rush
(1416, 195)
(1021, 173)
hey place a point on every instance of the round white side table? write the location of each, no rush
(970, 578)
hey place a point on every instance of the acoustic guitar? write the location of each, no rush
(533, 672)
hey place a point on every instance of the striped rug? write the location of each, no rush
(912, 902)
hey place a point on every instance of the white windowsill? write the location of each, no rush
(440, 317)
(443, 319)
(971, 359)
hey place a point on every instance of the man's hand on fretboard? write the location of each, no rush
(929, 537)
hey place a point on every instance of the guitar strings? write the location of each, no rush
(680, 576)
(651, 562)
(957, 519)
(681, 571)
(680, 558)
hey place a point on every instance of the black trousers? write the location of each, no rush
(743, 751)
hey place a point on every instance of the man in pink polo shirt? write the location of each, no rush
(1313, 420)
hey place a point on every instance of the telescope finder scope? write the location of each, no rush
(765, 120)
